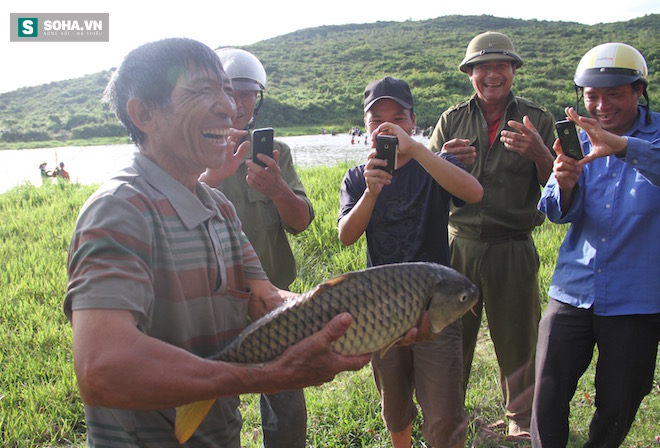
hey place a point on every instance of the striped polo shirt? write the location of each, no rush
(179, 262)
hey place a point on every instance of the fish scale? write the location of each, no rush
(384, 302)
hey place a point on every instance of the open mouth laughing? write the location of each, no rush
(491, 85)
(216, 135)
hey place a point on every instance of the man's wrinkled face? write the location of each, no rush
(492, 80)
(615, 108)
(193, 128)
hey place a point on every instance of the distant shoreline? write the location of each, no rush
(296, 131)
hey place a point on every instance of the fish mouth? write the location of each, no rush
(216, 135)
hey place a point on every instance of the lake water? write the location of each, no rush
(94, 164)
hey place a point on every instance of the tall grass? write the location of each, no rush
(39, 400)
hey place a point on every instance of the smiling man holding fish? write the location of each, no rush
(161, 275)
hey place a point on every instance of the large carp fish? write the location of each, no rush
(384, 301)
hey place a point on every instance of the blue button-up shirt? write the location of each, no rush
(610, 258)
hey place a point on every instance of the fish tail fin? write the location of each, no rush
(189, 417)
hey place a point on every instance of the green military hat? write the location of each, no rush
(489, 46)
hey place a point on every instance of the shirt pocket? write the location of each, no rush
(642, 198)
(230, 309)
(262, 212)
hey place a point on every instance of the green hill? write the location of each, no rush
(316, 76)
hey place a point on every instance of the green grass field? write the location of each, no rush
(39, 401)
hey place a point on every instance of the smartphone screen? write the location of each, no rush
(262, 143)
(386, 149)
(568, 137)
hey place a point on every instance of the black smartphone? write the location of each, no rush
(262, 143)
(568, 137)
(386, 149)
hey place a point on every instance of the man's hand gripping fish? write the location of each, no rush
(384, 301)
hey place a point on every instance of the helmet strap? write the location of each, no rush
(260, 101)
(648, 107)
(579, 93)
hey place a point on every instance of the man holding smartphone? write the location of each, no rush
(504, 141)
(270, 200)
(605, 289)
(404, 215)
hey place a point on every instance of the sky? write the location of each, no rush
(221, 23)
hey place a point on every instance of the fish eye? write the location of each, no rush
(463, 298)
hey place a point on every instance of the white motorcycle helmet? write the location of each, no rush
(243, 68)
(610, 65)
(246, 73)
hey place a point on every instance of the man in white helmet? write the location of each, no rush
(604, 291)
(269, 201)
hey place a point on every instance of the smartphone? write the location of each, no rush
(262, 143)
(386, 149)
(568, 137)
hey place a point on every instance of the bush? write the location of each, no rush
(98, 130)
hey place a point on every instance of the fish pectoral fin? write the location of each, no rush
(333, 281)
(189, 417)
(389, 346)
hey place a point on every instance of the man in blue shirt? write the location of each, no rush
(605, 290)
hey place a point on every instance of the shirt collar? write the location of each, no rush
(640, 126)
(511, 101)
(191, 209)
